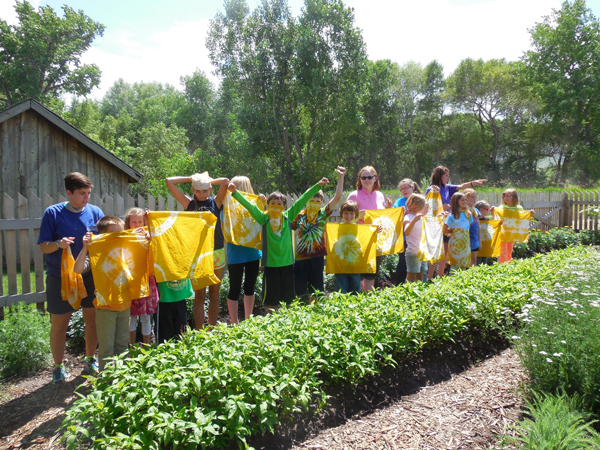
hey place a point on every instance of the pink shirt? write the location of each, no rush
(366, 200)
(413, 240)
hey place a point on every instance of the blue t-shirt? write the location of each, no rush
(474, 230)
(446, 192)
(400, 202)
(238, 254)
(462, 222)
(210, 205)
(58, 222)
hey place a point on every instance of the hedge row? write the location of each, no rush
(213, 387)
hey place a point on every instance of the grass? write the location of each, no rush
(19, 281)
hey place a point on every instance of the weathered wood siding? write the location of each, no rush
(36, 155)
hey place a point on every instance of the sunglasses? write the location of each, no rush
(368, 178)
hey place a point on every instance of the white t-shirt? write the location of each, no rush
(413, 240)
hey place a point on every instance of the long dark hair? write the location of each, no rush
(438, 173)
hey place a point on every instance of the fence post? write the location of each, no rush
(11, 246)
(23, 213)
(564, 217)
(35, 208)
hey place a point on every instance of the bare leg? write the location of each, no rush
(249, 305)
(199, 299)
(232, 306)
(431, 270)
(58, 335)
(146, 338)
(132, 336)
(473, 259)
(368, 285)
(91, 338)
(213, 297)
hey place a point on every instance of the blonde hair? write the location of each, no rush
(133, 212)
(376, 185)
(413, 184)
(513, 193)
(469, 192)
(243, 184)
(416, 199)
(107, 221)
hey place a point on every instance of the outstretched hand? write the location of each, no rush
(232, 188)
(323, 182)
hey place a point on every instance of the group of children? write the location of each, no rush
(288, 272)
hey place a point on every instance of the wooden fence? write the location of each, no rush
(19, 229)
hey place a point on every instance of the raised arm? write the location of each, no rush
(172, 183)
(412, 223)
(260, 216)
(341, 171)
(223, 183)
(470, 184)
(295, 209)
(82, 261)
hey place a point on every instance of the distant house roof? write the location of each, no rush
(134, 175)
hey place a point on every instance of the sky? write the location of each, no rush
(155, 40)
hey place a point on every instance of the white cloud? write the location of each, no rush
(164, 56)
(405, 30)
(8, 13)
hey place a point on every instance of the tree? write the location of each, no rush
(563, 68)
(41, 56)
(296, 80)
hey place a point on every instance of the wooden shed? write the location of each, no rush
(38, 149)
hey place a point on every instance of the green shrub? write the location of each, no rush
(555, 422)
(24, 342)
(558, 344)
(210, 388)
(555, 239)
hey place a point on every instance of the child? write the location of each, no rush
(407, 188)
(474, 228)
(417, 208)
(456, 227)
(202, 185)
(172, 309)
(310, 246)
(141, 308)
(484, 214)
(510, 201)
(112, 321)
(348, 283)
(277, 242)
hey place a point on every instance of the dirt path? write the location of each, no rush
(468, 411)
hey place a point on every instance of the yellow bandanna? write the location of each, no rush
(433, 199)
(489, 242)
(351, 248)
(431, 247)
(182, 245)
(515, 224)
(312, 210)
(239, 227)
(275, 214)
(390, 240)
(459, 248)
(120, 267)
(72, 288)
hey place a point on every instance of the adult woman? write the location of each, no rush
(440, 178)
(242, 259)
(63, 226)
(407, 188)
(201, 201)
(368, 195)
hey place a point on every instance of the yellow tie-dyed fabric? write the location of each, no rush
(431, 248)
(351, 248)
(182, 245)
(390, 240)
(433, 199)
(489, 242)
(72, 288)
(515, 224)
(459, 248)
(239, 227)
(120, 267)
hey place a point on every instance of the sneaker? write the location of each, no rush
(59, 375)
(90, 366)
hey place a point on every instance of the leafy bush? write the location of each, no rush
(213, 387)
(556, 422)
(24, 341)
(555, 239)
(76, 331)
(558, 343)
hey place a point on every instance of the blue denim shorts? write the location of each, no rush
(413, 265)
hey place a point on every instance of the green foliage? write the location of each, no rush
(210, 388)
(556, 238)
(555, 422)
(76, 330)
(559, 344)
(41, 56)
(24, 341)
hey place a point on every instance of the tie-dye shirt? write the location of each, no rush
(311, 236)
